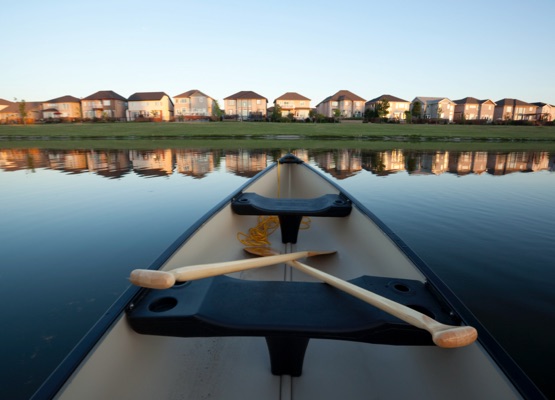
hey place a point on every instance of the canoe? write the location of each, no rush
(361, 321)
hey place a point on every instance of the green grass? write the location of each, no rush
(228, 135)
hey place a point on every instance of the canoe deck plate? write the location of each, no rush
(287, 314)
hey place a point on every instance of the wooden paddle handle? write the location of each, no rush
(165, 279)
(447, 336)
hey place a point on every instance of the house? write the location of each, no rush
(544, 111)
(193, 104)
(397, 106)
(4, 103)
(246, 105)
(347, 103)
(11, 113)
(434, 108)
(66, 107)
(471, 108)
(295, 104)
(104, 104)
(513, 109)
(156, 105)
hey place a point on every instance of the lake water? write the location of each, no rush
(76, 222)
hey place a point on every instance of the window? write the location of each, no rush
(106, 102)
(334, 104)
(302, 103)
(231, 102)
(258, 102)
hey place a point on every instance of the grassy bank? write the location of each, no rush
(231, 135)
(284, 131)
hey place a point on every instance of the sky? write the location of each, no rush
(488, 49)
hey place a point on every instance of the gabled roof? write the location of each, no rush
(387, 97)
(64, 99)
(431, 100)
(245, 94)
(5, 102)
(104, 95)
(512, 102)
(189, 93)
(291, 96)
(29, 106)
(344, 95)
(145, 96)
(541, 104)
(468, 100)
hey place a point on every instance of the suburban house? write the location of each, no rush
(544, 111)
(193, 104)
(293, 103)
(104, 104)
(246, 105)
(513, 109)
(472, 108)
(156, 105)
(66, 107)
(434, 108)
(11, 113)
(397, 106)
(348, 104)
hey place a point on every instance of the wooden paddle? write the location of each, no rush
(165, 279)
(447, 336)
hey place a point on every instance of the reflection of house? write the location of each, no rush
(471, 108)
(513, 109)
(110, 163)
(435, 107)
(11, 113)
(194, 163)
(347, 103)
(193, 103)
(293, 103)
(152, 162)
(245, 163)
(340, 164)
(156, 105)
(246, 105)
(62, 107)
(397, 106)
(104, 104)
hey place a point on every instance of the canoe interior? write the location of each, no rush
(128, 365)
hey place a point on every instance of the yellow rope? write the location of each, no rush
(258, 235)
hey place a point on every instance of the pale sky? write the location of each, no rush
(407, 48)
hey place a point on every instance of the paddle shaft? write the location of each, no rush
(443, 335)
(165, 279)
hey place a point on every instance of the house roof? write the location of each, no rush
(190, 93)
(64, 99)
(344, 95)
(512, 102)
(387, 97)
(291, 96)
(145, 96)
(29, 107)
(105, 94)
(468, 100)
(431, 100)
(5, 102)
(246, 94)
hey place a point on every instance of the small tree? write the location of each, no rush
(417, 109)
(276, 114)
(382, 108)
(336, 113)
(216, 110)
(408, 117)
(22, 110)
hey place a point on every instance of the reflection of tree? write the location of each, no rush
(411, 163)
(377, 162)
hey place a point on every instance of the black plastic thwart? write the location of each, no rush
(287, 314)
(291, 211)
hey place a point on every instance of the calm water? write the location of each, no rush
(74, 223)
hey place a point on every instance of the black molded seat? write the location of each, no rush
(287, 314)
(291, 211)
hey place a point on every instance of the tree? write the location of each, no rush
(382, 108)
(336, 113)
(417, 109)
(276, 113)
(408, 117)
(216, 110)
(22, 110)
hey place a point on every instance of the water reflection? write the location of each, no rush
(198, 163)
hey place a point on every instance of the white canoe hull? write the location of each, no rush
(123, 364)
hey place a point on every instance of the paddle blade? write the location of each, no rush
(459, 336)
(152, 279)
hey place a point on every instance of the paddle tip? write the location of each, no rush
(458, 336)
(152, 279)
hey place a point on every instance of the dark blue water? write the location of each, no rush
(75, 223)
